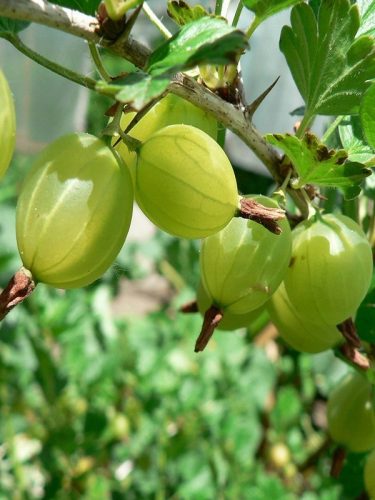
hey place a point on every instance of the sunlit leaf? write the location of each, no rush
(266, 8)
(353, 142)
(316, 164)
(182, 13)
(137, 89)
(367, 10)
(330, 67)
(207, 40)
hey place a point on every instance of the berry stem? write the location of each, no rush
(156, 21)
(266, 216)
(237, 14)
(349, 332)
(353, 357)
(98, 62)
(331, 128)
(212, 318)
(17, 290)
(253, 26)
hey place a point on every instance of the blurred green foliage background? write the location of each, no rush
(97, 404)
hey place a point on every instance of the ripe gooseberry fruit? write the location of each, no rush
(370, 474)
(297, 331)
(350, 412)
(243, 264)
(185, 183)
(330, 270)
(229, 321)
(7, 125)
(74, 211)
(170, 110)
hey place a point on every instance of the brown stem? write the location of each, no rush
(267, 216)
(212, 318)
(190, 307)
(18, 289)
(338, 460)
(349, 332)
(354, 356)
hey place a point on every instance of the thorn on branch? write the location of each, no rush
(252, 107)
(18, 289)
(266, 216)
(212, 318)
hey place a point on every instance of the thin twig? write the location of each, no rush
(156, 21)
(98, 62)
(85, 81)
(74, 22)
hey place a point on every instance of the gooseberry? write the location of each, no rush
(7, 125)
(74, 211)
(350, 412)
(229, 321)
(330, 269)
(297, 331)
(243, 264)
(170, 110)
(185, 182)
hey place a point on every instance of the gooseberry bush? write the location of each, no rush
(286, 257)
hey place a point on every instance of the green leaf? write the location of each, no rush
(353, 142)
(367, 114)
(266, 8)
(367, 10)
(12, 26)
(85, 6)
(365, 318)
(315, 4)
(330, 67)
(182, 13)
(315, 164)
(137, 89)
(207, 40)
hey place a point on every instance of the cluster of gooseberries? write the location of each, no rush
(75, 209)
(73, 217)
